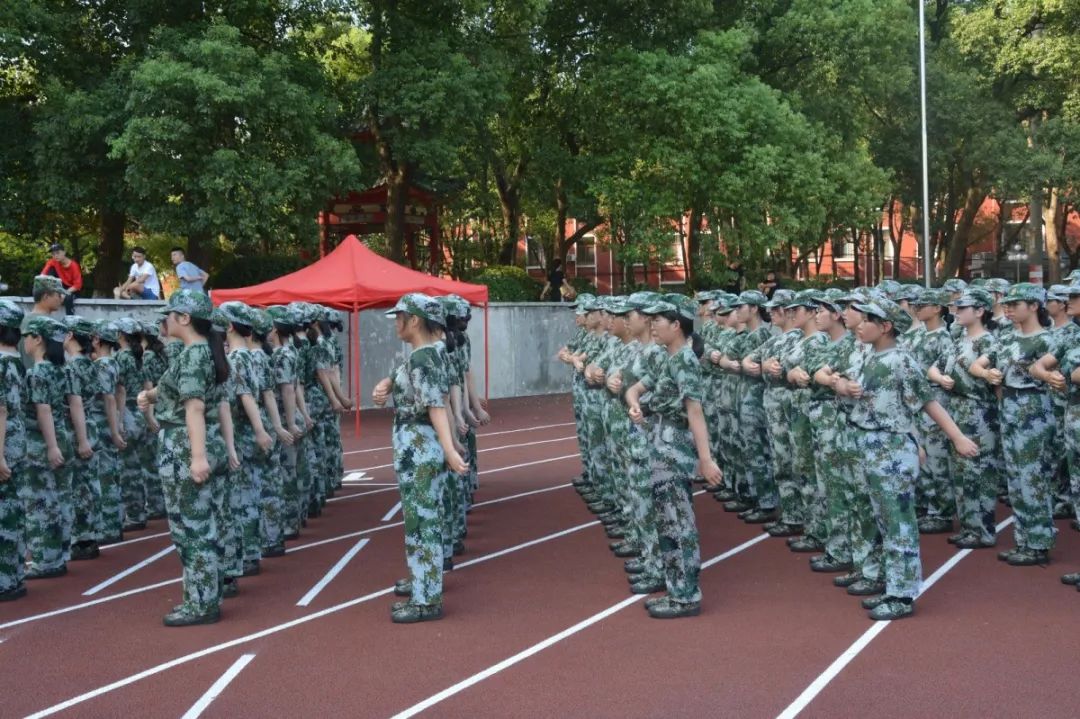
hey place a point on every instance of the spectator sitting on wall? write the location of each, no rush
(736, 285)
(68, 272)
(142, 282)
(557, 286)
(771, 284)
(190, 275)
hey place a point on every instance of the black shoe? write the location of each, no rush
(1063, 511)
(134, 526)
(615, 532)
(846, 580)
(47, 573)
(414, 613)
(403, 588)
(230, 588)
(84, 551)
(459, 548)
(182, 618)
(648, 586)
(737, 505)
(786, 530)
(875, 601)
(957, 537)
(675, 610)
(714, 489)
(448, 564)
(746, 513)
(972, 541)
(251, 569)
(627, 551)
(725, 495)
(278, 550)
(1004, 556)
(935, 525)
(760, 516)
(1029, 558)
(893, 608)
(634, 566)
(827, 564)
(1072, 579)
(11, 595)
(866, 588)
(806, 545)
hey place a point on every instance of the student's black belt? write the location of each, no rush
(1017, 391)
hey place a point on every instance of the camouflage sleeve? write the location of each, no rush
(38, 391)
(284, 368)
(687, 374)
(73, 384)
(243, 375)
(323, 357)
(428, 379)
(9, 393)
(106, 378)
(193, 375)
(915, 392)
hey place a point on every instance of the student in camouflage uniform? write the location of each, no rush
(48, 448)
(317, 405)
(83, 391)
(891, 389)
(591, 345)
(272, 498)
(130, 383)
(566, 354)
(974, 407)
(1027, 422)
(155, 363)
(423, 451)
(680, 446)
(12, 455)
(752, 427)
(1065, 333)
(306, 457)
(928, 347)
(107, 419)
(283, 365)
(726, 385)
(191, 454)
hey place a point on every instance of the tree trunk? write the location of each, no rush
(397, 193)
(956, 250)
(1053, 241)
(508, 186)
(109, 270)
(693, 265)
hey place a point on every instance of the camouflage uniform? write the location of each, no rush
(419, 384)
(82, 380)
(804, 471)
(934, 487)
(283, 367)
(193, 509)
(132, 477)
(577, 391)
(12, 516)
(154, 367)
(726, 409)
(249, 478)
(674, 462)
(1028, 432)
(46, 490)
(452, 500)
(895, 389)
(1064, 337)
(1068, 357)
(756, 476)
(464, 355)
(328, 418)
(318, 405)
(272, 485)
(107, 457)
(777, 402)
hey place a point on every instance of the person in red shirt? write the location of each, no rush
(68, 271)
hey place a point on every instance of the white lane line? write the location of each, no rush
(127, 572)
(219, 686)
(343, 497)
(480, 451)
(277, 628)
(393, 510)
(830, 673)
(135, 541)
(479, 436)
(529, 464)
(552, 640)
(290, 550)
(355, 477)
(365, 483)
(334, 571)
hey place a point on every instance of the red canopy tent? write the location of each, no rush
(353, 278)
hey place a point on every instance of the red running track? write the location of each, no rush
(538, 621)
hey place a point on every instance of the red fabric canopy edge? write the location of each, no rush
(351, 277)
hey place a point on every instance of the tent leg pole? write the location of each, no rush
(356, 368)
(487, 357)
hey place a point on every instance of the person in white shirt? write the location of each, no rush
(142, 282)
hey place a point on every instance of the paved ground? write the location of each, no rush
(538, 622)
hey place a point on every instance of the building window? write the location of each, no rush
(886, 244)
(585, 254)
(845, 249)
(671, 271)
(535, 252)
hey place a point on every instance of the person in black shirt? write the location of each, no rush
(556, 283)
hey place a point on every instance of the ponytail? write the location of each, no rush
(216, 341)
(135, 345)
(312, 333)
(85, 343)
(54, 351)
(1044, 316)
(763, 313)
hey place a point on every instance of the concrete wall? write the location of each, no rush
(525, 338)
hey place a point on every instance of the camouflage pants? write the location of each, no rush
(754, 439)
(318, 454)
(42, 494)
(290, 487)
(271, 497)
(1060, 460)
(155, 493)
(673, 465)
(597, 446)
(617, 424)
(474, 465)
(86, 501)
(642, 515)
(864, 538)
(1027, 432)
(976, 480)
(804, 470)
(421, 471)
(12, 521)
(728, 459)
(106, 466)
(710, 405)
(229, 512)
(193, 519)
(337, 466)
(777, 416)
(248, 498)
(132, 477)
(935, 484)
(578, 394)
(305, 462)
(1071, 428)
(833, 472)
(452, 509)
(890, 464)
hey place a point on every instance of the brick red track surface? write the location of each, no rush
(987, 640)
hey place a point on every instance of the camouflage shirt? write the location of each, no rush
(965, 351)
(1014, 355)
(173, 348)
(130, 377)
(575, 342)
(11, 397)
(47, 385)
(283, 369)
(190, 376)
(831, 354)
(153, 366)
(932, 349)
(107, 377)
(776, 347)
(83, 382)
(419, 383)
(895, 389)
(677, 380)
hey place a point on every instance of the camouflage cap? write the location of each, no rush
(722, 305)
(780, 298)
(889, 287)
(46, 327)
(299, 312)
(679, 304)
(705, 296)
(976, 297)
(977, 282)
(79, 325)
(1073, 276)
(940, 297)
(1059, 293)
(751, 297)
(218, 321)
(1025, 292)
(460, 306)
(188, 302)
(908, 293)
(803, 298)
(998, 285)
(1072, 290)
(11, 315)
(263, 322)
(620, 305)
(48, 283)
(128, 326)
(886, 309)
(280, 314)
(106, 331)
(237, 313)
(954, 284)
(832, 299)
(420, 305)
(641, 300)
